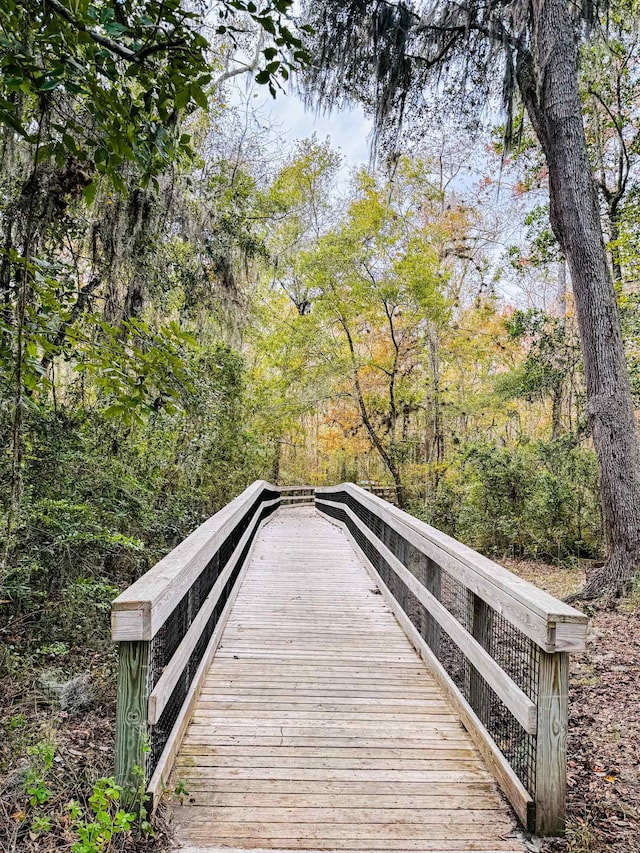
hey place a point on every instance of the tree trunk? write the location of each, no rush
(553, 105)
(275, 466)
(556, 411)
(438, 429)
(614, 235)
(558, 391)
(385, 455)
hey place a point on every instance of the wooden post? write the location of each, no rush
(433, 581)
(551, 760)
(481, 627)
(132, 744)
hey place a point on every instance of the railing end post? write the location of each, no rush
(551, 757)
(132, 740)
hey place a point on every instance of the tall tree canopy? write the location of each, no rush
(95, 98)
(395, 56)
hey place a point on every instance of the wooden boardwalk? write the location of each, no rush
(318, 726)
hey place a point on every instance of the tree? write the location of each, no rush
(376, 285)
(300, 201)
(610, 87)
(388, 54)
(548, 367)
(93, 99)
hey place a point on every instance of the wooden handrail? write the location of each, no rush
(153, 667)
(165, 685)
(296, 495)
(552, 628)
(552, 624)
(168, 625)
(296, 488)
(522, 708)
(140, 611)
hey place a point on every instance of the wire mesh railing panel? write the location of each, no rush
(516, 653)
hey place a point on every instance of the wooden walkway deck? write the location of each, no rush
(319, 727)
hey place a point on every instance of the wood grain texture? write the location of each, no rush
(551, 763)
(495, 760)
(141, 610)
(161, 693)
(425, 846)
(523, 709)
(131, 713)
(408, 847)
(162, 772)
(318, 727)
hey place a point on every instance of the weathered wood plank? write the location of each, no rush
(340, 753)
(294, 832)
(522, 708)
(340, 789)
(513, 789)
(337, 774)
(163, 769)
(138, 612)
(539, 615)
(225, 739)
(357, 845)
(161, 693)
(440, 813)
(131, 715)
(214, 799)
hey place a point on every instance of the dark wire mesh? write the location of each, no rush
(170, 635)
(518, 655)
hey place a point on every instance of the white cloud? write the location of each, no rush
(348, 129)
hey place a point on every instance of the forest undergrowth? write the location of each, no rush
(53, 754)
(191, 299)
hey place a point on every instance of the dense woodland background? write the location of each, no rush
(190, 302)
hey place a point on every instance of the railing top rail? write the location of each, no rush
(295, 488)
(553, 624)
(140, 611)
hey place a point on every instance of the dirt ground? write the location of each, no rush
(83, 741)
(603, 800)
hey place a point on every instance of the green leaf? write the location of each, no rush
(199, 96)
(49, 85)
(44, 152)
(115, 29)
(89, 192)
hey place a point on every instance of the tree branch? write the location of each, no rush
(113, 46)
(243, 68)
(623, 174)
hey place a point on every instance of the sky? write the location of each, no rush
(348, 129)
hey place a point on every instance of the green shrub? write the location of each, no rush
(537, 499)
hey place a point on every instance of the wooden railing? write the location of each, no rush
(168, 626)
(497, 645)
(297, 495)
(388, 493)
